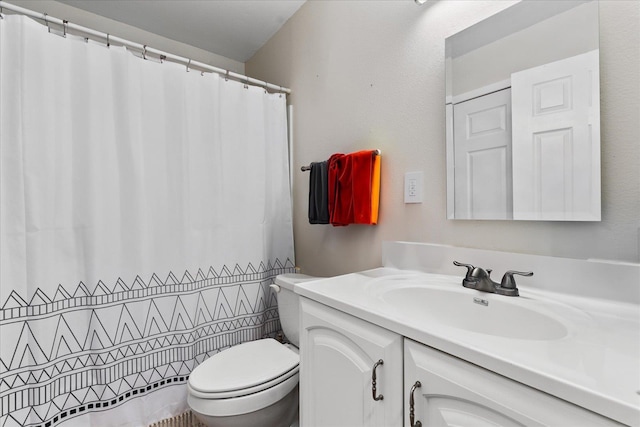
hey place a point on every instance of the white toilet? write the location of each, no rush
(254, 383)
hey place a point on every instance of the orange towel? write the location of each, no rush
(354, 188)
(375, 190)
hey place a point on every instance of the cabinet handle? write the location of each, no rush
(373, 381)
(412, 413)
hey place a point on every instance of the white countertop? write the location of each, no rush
(596, 365)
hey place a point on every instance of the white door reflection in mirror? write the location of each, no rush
(556, 148)
(546, 53)
(482, 151)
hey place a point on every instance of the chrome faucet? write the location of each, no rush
(480, 279)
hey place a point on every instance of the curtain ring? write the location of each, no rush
(144, 52)
(188, 64)
(163, 58)
(226, 76)
(46, 21)
(64, 27)
(108, 42)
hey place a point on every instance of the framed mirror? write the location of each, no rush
(523, 114)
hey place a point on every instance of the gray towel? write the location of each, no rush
(319, 193)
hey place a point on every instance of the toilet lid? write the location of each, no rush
(243, 366)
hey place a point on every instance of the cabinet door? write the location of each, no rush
(337, 357)
(453, 392)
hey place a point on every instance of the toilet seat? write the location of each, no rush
(246, 368)
(225, 407)
(244, 378)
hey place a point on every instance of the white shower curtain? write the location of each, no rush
(144, 210)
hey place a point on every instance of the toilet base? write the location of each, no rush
(283, 413)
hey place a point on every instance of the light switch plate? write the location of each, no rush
(413, 187)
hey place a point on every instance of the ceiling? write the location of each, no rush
(235, 29)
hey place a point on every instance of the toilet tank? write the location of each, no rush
(288, 304)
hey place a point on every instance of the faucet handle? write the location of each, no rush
(469, 268)
(508, 280)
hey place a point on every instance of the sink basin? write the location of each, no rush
(475, 311)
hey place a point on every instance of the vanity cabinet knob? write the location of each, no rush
(412, 414)
(373, 381)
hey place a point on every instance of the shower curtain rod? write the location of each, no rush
(144, 49)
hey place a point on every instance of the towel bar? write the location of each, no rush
(308, 168)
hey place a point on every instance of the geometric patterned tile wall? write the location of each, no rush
(92, 348)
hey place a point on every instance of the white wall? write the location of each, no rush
(562, 36)
(128, 32)
(370, 74)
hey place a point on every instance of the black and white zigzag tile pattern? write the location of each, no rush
(85, 350)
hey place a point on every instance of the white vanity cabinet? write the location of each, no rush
(453, 392)
(338, 353)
